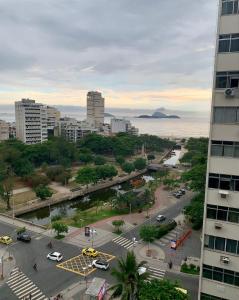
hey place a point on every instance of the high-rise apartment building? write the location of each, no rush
(4, 130)
(95, 109)
(31, 121)
(219, 278)
(53, 117)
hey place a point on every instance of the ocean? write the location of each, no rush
(190, 124)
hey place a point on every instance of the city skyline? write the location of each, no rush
(153, 54)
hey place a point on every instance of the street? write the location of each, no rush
(51, 280)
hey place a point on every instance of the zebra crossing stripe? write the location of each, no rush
(22, 286)
(122, 241)
(156, 273)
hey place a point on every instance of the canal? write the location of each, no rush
(43, 216)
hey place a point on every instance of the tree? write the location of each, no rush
(43, 192)
(128, 278)
(23, 167)
(140, 163)
(106, 171)
(6, 190)
(85, 157)
(160, 290)
(86, 175)
(150, 157)
(99, 160)
(117, 224)
(128, 167)
(120, 160)
(64, 177)
(59, 228)
(148, 233)
(36, 180)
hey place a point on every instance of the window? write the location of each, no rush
(226, 115)
(224, 182)
(225, 148)
(210, 297)
(228, 79)
(223, 213)
(228, 43)
(229, 7)
(221, 244)
(221, 275)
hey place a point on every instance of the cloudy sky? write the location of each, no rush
(139, 53)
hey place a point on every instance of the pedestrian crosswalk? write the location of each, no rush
(156, 273)
(23, 287)
(172, 235)
(123, 242)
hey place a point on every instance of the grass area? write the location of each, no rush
(191, 269)
(90, 216)
(23, 197)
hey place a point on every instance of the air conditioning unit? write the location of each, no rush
(223, 194)
(218, 225)
(225, 259)
(229, 92)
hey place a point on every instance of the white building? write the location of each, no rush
(31, 121)
(219, 278)
(53, 117)
(95, 109)
(122, 125)
(73, 130)
(4, 130)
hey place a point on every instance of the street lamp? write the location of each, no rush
(92, 232)
(85, 276)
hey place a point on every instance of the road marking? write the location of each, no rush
(156, 273)
(22, 286)
(38, 237)
(122, 241)
(82, 264)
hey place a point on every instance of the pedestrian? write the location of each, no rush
(170, 264)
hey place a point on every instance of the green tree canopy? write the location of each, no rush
(43, 192)
(59, 228)
(140, 163)
(160, 290)
(128, 167)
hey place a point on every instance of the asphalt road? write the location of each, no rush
(52, 280)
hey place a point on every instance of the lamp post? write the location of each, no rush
(85, 276)
(92, 232)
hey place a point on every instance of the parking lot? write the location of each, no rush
(82, 264)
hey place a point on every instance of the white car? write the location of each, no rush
(57, 256)
(100, 264)
(160, 218)
(142, 270)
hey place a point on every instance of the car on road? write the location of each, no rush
(56, 256)
(90, 252)
(183, 191)
(160, 218)
(24, 237)
(5, 240)
(142, 270)
(100, 264)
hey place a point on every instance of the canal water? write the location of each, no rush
(43, 216)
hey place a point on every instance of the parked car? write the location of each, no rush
(183, 191)
(5, 240)
(160, 218)
(100, 264)
(24, 237)
(177, 195)
(56, 256)
(90, 252)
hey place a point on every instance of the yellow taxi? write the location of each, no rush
(5, 240)
(183, 291)
(90, 252)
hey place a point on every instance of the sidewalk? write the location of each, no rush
(8, 264)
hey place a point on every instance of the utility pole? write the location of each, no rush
(2, 268)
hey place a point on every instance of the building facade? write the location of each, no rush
(53, 117)
(31, 121)
(4, 131)
(122, 125)
(219, 278)
(95, 109)
(73, 130)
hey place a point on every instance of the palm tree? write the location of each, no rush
(128, 277)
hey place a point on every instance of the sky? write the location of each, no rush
(138, 53)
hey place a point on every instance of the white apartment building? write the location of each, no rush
(95, 109)
(73, 130)
(4, 131)
(219, 278)
(53, 117)
(31, 121)
(122, 125)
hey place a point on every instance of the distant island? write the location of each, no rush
(158, 115)
(108, 115)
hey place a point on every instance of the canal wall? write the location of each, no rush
(61, 197)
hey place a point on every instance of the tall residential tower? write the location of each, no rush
(219, 279)
(95, 109)
(31, 121)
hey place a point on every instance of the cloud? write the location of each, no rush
(125, 46)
